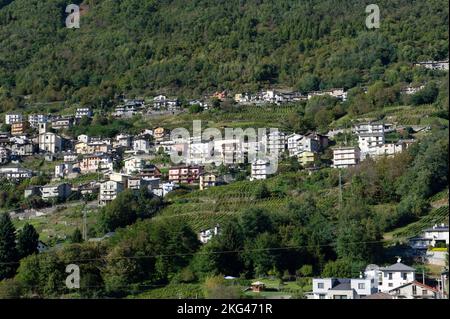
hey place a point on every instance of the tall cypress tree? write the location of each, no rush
(27, 241)
(8, 251)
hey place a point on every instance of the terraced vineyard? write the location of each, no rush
(401, 115)
(204, 209)
(436, 216)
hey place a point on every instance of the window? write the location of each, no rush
(321, 296)
(404, 276)
(390, 276)
(390, 284)
(320, 285)
(424, 291)
(361, 285)
(414, 289)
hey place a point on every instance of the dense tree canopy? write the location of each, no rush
(200, 46)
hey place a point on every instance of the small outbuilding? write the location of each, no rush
(258, 286)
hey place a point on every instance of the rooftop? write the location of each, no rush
(398, 267)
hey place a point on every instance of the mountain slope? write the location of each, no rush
(194, 46)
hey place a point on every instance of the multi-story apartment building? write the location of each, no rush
(434, 65)
(307, 158)
(109, 191)
(35, 119)
(345, 157)
(293, 142)
(133, 165)
(63, 122)
(275, 142)
(368, 142)
(96, 163)
(58, 191)
(185, 174)
(369, 127)
(207, 180)
(83, 112)
(123, 140)
(11, 118)
(19, 128)
(159, 133)
(260, 169)
(5, 155)
(141, 145)
(162, 102)
(15, 173)
(149, 172)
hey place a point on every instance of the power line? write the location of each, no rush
(208, 253)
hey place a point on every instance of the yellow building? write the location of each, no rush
(306, 158)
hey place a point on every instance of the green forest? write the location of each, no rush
(189, 48)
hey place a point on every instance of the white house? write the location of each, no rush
(336, 288)
(206, 235)
(434, 65)
(293, 143)
(437, 233)
(344, 157)
(83, 138)
(369, 127)
(141, 145)
(123, 140)
(11, 118)
(15, 173)
(260, 169)
(35, 119)
(395, 276)
(164, 189)
(275, 142)
(133, 165)
(61, 191)
(63, 169)
(83, 112)
(368, 142)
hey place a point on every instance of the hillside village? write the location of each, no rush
(96, 169)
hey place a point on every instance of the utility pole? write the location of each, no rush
(340, 189)
(85, 235)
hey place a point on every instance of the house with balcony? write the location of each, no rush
(15, 173)
(56, 191)
(207, 180)
(83, 112)
(109, 191)
(19, 128)
(63, 122)
(36, 119)
(11, 118)
(98, 162)
(259, 169)
(415, 290)
(307, 158)
(344, 157)
(185, 174)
